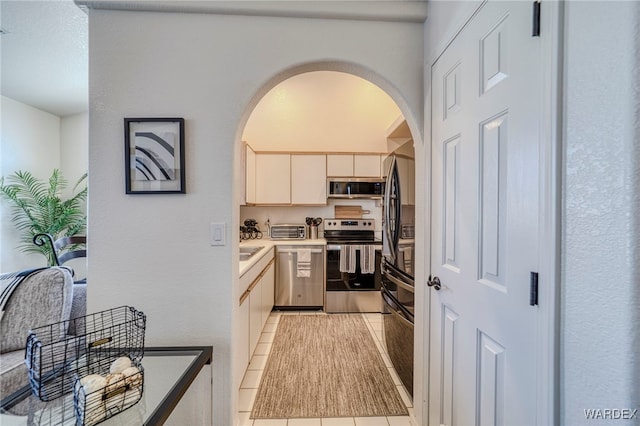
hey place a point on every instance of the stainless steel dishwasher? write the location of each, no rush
(300, 276)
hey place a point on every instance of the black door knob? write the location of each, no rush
(434, 282)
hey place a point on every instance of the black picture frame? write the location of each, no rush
(154, 155)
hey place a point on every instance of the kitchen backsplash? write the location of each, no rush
(297, 214)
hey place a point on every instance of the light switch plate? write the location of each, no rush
(217, 234)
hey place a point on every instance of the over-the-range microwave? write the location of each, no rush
(372, 188)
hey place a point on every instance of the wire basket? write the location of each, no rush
(120, 392)
(54, 358)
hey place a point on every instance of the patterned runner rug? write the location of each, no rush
(325, 366)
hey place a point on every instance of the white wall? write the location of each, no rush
(322, 111)
(30, 142)
(74, 147)
(600, 339)
(37, 141)
(152, 251)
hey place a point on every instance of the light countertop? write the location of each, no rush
(267, 244)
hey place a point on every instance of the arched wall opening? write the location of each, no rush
(404, 111)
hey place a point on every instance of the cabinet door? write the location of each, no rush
(268, 291)
(366, 165)
(255, 317)
(243, 353)
(273, 178)
(340, 165)
(250, 176)
(309, 179)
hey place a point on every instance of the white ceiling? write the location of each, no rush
(44, 51)
(45, 55)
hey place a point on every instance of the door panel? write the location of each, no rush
(485, 182)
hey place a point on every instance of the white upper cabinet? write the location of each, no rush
(250, 175)
(353, 165)
(308, 179)
(273, 178)
(366, 165)
(340, 165)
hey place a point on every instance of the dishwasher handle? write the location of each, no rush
(296, 251)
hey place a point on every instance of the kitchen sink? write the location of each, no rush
(247, 252)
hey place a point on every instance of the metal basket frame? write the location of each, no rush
(54, 358)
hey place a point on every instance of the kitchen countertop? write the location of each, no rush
(267, 244)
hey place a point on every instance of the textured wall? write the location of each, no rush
(30, 142)
(600, 350)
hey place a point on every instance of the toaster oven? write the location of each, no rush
(288, 232)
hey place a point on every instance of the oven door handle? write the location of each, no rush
(332, 247)
(398, 282)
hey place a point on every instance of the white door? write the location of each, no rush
(486, 108)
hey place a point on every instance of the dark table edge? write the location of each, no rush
(170, 401)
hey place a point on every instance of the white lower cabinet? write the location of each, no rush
(268, 293)
(255, 317)
(255, 307)
(242, 340)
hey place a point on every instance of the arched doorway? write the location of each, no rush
(247, 130)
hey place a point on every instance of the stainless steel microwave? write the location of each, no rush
(372, 188)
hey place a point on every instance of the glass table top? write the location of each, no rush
(168, 372)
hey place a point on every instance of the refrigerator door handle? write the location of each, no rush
(398, 282)
(392, 306)
(389, 268)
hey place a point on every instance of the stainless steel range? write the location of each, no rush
(353, 279)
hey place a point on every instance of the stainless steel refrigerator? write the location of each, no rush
(398, 266)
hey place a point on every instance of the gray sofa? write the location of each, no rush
(44, 297)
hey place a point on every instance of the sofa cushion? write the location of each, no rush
(13, 372)
(42, 298)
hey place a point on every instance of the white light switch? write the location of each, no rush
(217, 234)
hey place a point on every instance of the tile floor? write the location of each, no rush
(251, 381)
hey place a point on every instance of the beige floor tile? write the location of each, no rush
(257, 362)
(273, 318)
(371, 421)
(304, 422)
(377, 326)
(262, 349)
(394, 376)
(380, 346)
(338, 421)
(386, 359)
(270, 328)
(266, 337)
(270, 422)
(373, 318)
(405, 396)
(251, 379)
(290, 313)
(246, 398)
(244, 420)
(400, 421)
(309, 312)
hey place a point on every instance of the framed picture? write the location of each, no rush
(154, 155)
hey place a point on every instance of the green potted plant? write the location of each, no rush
(37, 207)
